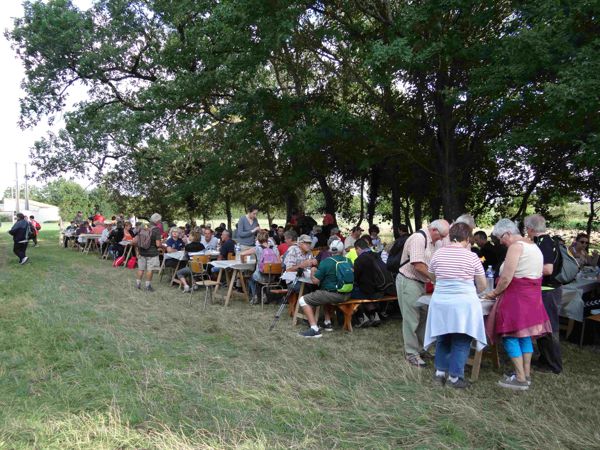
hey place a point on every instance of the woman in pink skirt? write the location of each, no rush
(519, 313)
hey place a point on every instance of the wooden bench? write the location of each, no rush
(349, 307)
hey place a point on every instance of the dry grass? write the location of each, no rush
(90, 362)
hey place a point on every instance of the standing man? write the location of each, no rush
(550, 359)
(20, 232)
(410, 285)
(147, 243)
(36, 229)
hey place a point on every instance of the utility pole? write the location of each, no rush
(17, 207)
(26, 189)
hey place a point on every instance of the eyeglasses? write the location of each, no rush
(583, 242)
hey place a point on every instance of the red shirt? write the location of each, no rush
(283, 248)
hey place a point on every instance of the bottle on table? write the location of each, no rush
(238, 251)
(489, 276)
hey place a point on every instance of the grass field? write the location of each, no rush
(87, 361)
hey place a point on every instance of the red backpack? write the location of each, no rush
(119, 261)
(132, 262)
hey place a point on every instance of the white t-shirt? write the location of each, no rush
(531, 262)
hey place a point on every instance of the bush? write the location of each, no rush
(6, 217)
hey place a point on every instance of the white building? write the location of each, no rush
(42, 211)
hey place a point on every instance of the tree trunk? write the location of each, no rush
(590, 221)
(373, 193)
(330, 205)
(407, 216)
(269, 218)
(362, 201)
(291, 204)
(418, 206)
(435, 205)
(228, 212)
(396, 209)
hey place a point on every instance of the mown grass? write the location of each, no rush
(87, 361)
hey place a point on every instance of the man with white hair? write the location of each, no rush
(550, 359)
(410, 285)
(326, 278)
(147, 243)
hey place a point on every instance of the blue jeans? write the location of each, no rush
(452, 352)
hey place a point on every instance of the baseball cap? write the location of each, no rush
(336, 246)
(305, 238)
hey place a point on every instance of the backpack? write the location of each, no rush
(38, 226)
(144, 238)
(267, 256)
(565, 267)
(395, 262)
(344, 274)
(383, 277)
(119, 261)
(132, 262)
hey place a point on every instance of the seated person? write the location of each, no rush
(84, 228)
(352, 254)
(579, 249)
(174, 244)
(326, 278)
(354, 236)
(227, 245)
(194, 246)
(289, 239)
(279, 237)
(128, 233)
(318, 237)
(372, 280)
(486, 249)
(325, 253)
(375, 239)
(299, 256)
(265, 253)
(114, 239)
(209, 241)
(69, 233)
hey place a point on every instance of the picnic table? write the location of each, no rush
(237, 267)
(475, 361)
(182, 256)
(89, 239)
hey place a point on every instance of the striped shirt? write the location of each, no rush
(455, 263)
(415, 252)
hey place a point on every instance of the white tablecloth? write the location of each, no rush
(233, 264)
(291, 276)
(486, 305)
(180, 255)
(572, 297)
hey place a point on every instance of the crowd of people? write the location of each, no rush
(452, 260)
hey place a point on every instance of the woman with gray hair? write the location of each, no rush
(519, 313)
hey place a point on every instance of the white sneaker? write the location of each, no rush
(24, 260)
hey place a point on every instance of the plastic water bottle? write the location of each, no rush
(238, 251)
(489, 276)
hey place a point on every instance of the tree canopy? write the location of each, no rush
(440, 106)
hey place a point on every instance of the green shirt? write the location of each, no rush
(326, 273)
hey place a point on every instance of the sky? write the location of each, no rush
(15, 143)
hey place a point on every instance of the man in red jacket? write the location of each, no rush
(37, 227)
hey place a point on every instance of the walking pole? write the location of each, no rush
(286, 299)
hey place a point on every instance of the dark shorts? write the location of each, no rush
(321, 297)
